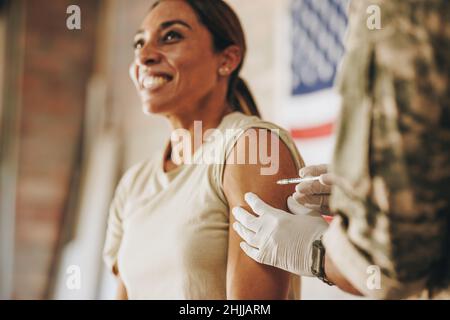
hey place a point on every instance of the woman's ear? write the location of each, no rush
(230, 60)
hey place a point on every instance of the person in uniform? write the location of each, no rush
(389, 184)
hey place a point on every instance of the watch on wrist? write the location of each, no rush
(318, 261)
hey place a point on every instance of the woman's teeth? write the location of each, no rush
(152, 82)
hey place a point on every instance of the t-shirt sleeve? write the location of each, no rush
(114, 231)
(114, 228)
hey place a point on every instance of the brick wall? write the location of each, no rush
(57, 67)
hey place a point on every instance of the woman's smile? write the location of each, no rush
(152, 82)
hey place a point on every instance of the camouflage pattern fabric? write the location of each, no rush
(393, 151)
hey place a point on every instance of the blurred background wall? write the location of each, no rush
(46, 70)
(71, 124)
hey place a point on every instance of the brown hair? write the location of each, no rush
(226, 30)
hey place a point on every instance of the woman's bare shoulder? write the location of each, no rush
(274, 161)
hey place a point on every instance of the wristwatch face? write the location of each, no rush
(318, 262)
(317, 256)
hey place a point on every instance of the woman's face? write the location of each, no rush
(175, 65)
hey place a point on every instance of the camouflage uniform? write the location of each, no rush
(393, 151)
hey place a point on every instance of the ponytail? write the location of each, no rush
(242, 99)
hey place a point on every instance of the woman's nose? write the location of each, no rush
(148, 56)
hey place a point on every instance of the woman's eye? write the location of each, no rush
(172, 36)
(139, 44)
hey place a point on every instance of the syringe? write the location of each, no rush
(297, 180)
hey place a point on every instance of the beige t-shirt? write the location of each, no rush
(168, 232)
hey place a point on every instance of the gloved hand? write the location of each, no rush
(278, 238)
(315, 195)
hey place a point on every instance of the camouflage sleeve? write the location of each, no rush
(392, 154)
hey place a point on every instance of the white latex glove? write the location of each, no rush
(315, 194)
(278, 238)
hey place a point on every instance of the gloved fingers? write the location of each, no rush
(246, 234)
(250, 251)
(321, 200)
(327, 179)
(315, 211)
(313, 187)
(296, 208)
(325, 210)
(244, 217)
(313, 202)
(313, 171)
(258, 206)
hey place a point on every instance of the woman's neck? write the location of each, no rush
(210, 116)
(210, 110)
(209, 119)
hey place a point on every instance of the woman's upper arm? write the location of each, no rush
(247, 279)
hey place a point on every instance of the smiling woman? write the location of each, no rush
(169, 232)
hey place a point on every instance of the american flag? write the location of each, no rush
(317, 43)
